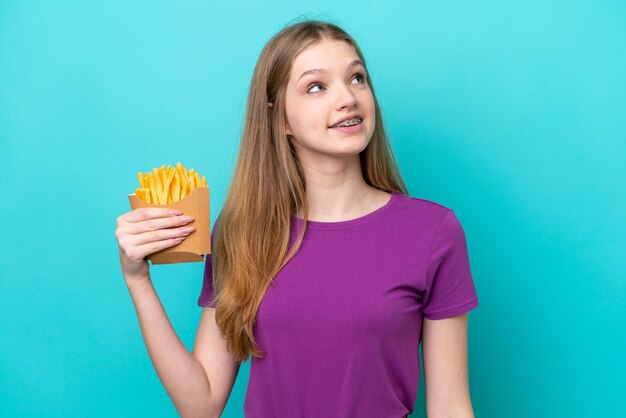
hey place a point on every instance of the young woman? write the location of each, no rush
(323, 269)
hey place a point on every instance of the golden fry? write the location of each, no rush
(185, 185)
(158, 185)
(146, 193)
(153, 191)
(164, 185)
(185, 190)
(176, 192)
(192, 181)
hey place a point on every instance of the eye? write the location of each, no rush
(359, 74)
(362, 77)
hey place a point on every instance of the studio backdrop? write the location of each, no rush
(513, 114)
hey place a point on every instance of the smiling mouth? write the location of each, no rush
(339, 125)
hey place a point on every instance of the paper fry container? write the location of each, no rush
(198, 243)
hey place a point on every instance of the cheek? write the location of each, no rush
(310, 120)
(372, 112)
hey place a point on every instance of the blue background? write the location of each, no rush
(511, 113)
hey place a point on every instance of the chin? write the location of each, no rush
(352, 146)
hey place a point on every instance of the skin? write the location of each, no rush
(444, 348)
(336, 190)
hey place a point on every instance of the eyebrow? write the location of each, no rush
(321, 70)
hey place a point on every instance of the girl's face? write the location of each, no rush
(337, 87)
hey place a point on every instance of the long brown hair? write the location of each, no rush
(252, 231)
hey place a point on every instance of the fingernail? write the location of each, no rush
(186, 218)
(175, 212)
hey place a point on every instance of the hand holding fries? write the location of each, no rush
(144, 231)
(176, 188)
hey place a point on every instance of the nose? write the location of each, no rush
(345, 98)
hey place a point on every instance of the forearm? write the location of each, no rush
(180, 372)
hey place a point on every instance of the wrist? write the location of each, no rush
(138, 282)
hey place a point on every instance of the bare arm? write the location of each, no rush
(198, 383)
(444, 348)
(181, 374)
(221, 367)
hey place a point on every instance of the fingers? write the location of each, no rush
(144, 214)
(139, 221)
(150, 225)
(145, 231)
(159, 235)
(141, 251)
(136, 246)
(157, 224)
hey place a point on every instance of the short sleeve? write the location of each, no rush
(450, 288)
(206, 294)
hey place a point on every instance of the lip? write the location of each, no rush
(350, 116)
(350, 130)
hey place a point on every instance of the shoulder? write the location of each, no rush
(439, 223)
(421, 210)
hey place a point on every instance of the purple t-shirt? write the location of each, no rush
(341, 323)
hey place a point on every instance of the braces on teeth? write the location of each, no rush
(350, 122)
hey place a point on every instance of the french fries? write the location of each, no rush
(163, 186)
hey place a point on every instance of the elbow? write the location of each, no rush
(198, 413)
(199, 406)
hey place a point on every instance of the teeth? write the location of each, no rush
(349, 122)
